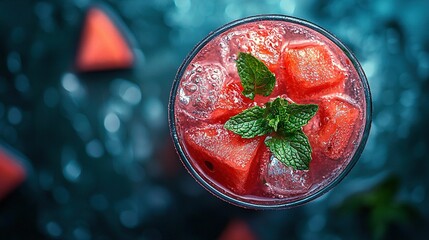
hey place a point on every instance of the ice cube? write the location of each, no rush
(200, 88)
(263, 42)
(285, 181)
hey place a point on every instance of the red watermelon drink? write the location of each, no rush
(269, 112)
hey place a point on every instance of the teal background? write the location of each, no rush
(86, 181)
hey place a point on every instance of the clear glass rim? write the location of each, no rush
(268, 17)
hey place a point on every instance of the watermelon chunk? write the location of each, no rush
(333, 126)
(311, 69)
(224, 156)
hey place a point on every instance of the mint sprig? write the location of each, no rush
(255, 77)
(280, 120)
(277, 113)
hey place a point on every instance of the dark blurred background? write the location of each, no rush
(95, 147)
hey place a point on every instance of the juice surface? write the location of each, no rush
(309, 68)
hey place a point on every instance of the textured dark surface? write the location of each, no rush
(99, 157)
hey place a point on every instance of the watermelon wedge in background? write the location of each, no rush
(12, 173)
(103, 46)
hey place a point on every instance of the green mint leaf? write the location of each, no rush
(273, 122)
(255, 77)
(299, 116)
(249, 123)
(293, 150)
(277, 113)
